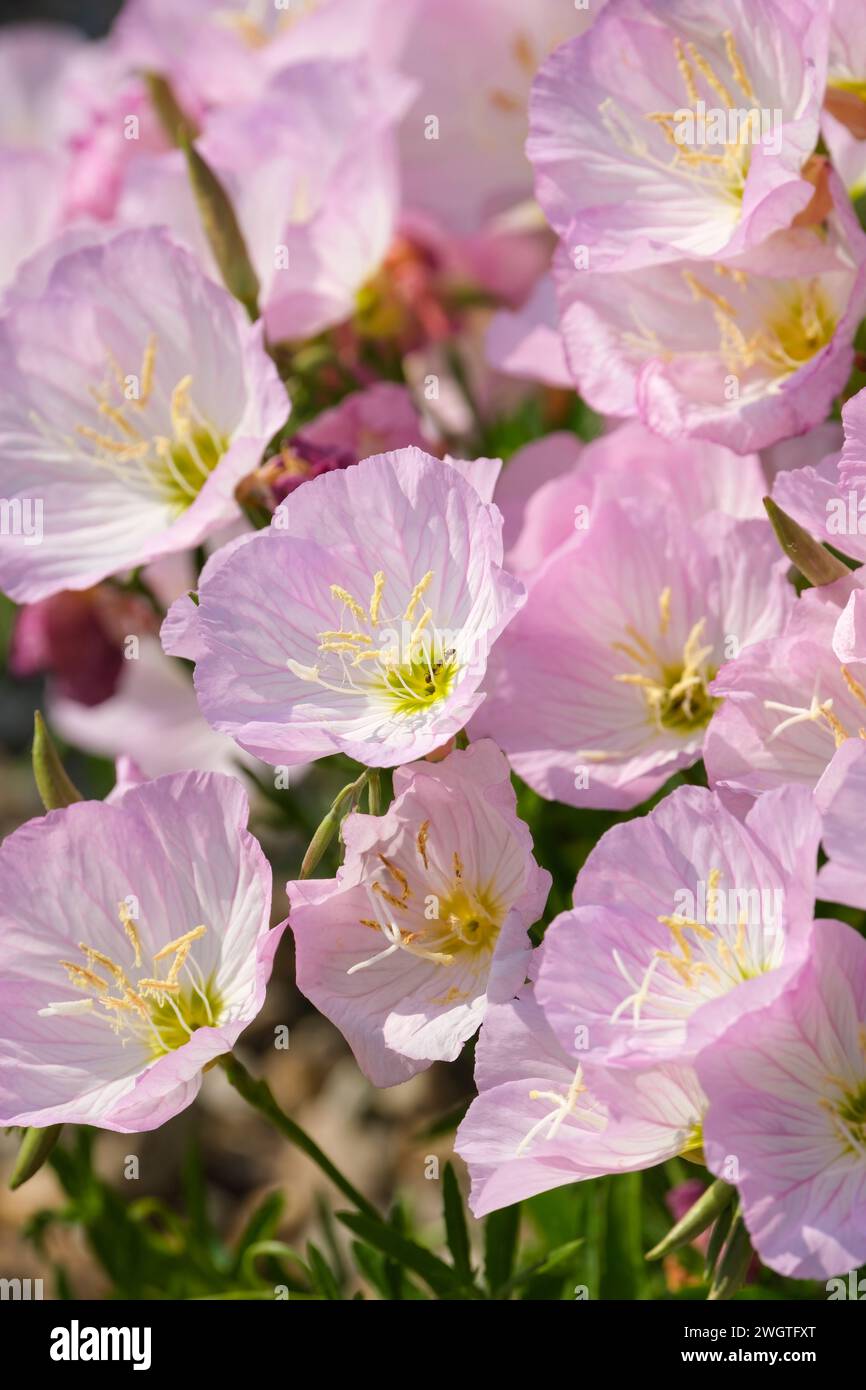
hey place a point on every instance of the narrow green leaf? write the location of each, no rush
(223, 233)
(501, 1230)
(32, 1153)
(733, 1263)
(623, 1269)
(53, 784)
(812, 559)
(705, 1210)
(556, 1262)
(436, 1274)
(455, 1224)
(321, 1274)
(718, 1236)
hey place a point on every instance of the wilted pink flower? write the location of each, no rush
(134, 396)
(787, 1100)
(744, 353)
(77, 639)
(538, 1124)
(134, 949)
(426, 919)
(789, 701)
(667, 132)
(360, 621)
(600, 690)
(677, 918)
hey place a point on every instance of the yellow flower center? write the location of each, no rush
(161, 1011)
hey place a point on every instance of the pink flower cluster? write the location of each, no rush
(296, 483)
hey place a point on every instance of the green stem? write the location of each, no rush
(258, 1095)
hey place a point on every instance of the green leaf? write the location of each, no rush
(436, 1274)
(696, 1220)
(455, 1224)
(733, 1263)
(32, 1153)
(623, 1272)
(53, 784)
(501, 1230)
(321, 1274)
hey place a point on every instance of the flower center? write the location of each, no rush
(563, 1105)
(460, 922)
(405, 662)
(819, 712)
(798, 323)
(675, 692)
(705, 961)
(160, 1011)
(706, 156)
(175, 467)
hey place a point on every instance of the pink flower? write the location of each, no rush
(641, 138)
(600, 689)
(35, 110)
(222, 54)
(841, 796)
(360, 621)
(526, 342)
(828, 496)
(537, 1123)
(677, 919)
(551, 488)
(427, 918)
(152, 716)
(791, 700)
(134, 949)
(77, 638)
(744, 352)
(310, 164)
(134, 396)
(470, 167)
(787, 1100)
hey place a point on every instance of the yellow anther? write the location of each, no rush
(713, 880)
(352, 604)
(180, 416)
(99, 958)
(340, 634)
(664, 610)
(123, 452)
(397, 874)
(159, 987)
(420, 626)
(736, 62)
(415, 596)
(376, 596)
(853, 685)
(194, 935)
(421, 842)
(117, 417)
(700, 291)
(148, 367)
(83, 979)
(179, 962)
(707, 72)
(388, 896)
(131, 930)
(458, 865)
(686, 72)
